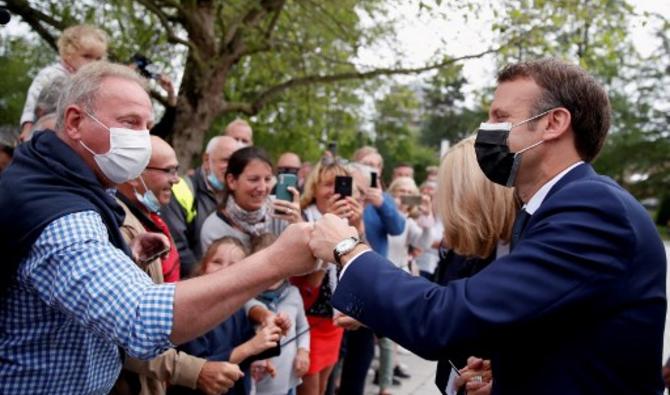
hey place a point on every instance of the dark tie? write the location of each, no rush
(519, 225)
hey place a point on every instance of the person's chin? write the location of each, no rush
(165, 197)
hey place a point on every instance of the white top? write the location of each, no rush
(413, 235)
(42, 79)
(427, 261)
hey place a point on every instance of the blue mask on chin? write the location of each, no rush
(148, 199)
(214, 182)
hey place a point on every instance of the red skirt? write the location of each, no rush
(324, 343)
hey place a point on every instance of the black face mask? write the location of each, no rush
(493, 155)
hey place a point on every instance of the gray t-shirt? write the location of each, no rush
(292, 305)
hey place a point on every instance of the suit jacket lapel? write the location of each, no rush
(582, 171)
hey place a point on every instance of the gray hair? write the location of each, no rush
(47, 101)
(83, 87)
(355, 167)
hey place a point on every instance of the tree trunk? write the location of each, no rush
(199, 103)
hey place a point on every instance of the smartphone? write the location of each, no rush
(284, 181)
(332, 147)
(155, 255)
(343, 186)
(411, 200)
(373, 179)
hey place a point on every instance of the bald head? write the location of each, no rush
(289, 160)
(218, 152)
(241, 131)
(162, 152)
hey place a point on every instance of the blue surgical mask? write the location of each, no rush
(148, 199)
(214, 182)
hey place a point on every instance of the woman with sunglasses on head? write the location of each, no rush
(247, 210)
(316, 288)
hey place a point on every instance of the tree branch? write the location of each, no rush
(252, 108)
(34, 18)
(165, 22)
(233, 42)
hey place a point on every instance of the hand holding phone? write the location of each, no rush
(148, 246)
(284, 181)
(373, 179)
(343, 186)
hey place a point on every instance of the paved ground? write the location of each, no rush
(422, 381)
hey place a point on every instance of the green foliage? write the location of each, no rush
(446, 116)
(20, 61)
(595, 34)
(397, 132)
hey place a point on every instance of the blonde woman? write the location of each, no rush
(319, 198)
(476, 213)
(419, 219)
(477, 216)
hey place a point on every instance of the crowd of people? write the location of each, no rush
(126, 273)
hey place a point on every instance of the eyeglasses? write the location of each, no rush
(172, 170)
(287, 169)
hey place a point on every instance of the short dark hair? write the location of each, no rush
(569, 86)
(242, 157)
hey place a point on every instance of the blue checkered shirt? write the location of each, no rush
(77, 299)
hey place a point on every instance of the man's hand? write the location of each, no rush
(291, 254)
(328, 231)
(301, 363)
(218, 377)
(148, 246)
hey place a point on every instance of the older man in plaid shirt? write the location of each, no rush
(73, 301)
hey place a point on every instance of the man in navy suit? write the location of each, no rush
(578, 306)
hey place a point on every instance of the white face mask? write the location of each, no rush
(128, 155)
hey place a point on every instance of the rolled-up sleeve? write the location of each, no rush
(80, 273)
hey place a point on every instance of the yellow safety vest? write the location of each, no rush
(183, 192)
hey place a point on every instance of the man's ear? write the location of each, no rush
(559, 121)
(72, 119)
(205, 161)
(135, 183)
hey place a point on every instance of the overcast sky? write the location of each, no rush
(420, 38)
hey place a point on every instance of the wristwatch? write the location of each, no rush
(344, 247)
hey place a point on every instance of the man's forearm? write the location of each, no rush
(202, 303)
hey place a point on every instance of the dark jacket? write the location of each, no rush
(186, 234)
(578, 307)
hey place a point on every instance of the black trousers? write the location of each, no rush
(358, 354)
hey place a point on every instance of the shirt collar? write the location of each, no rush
(537, 199)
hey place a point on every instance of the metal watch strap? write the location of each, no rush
(338, 255)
